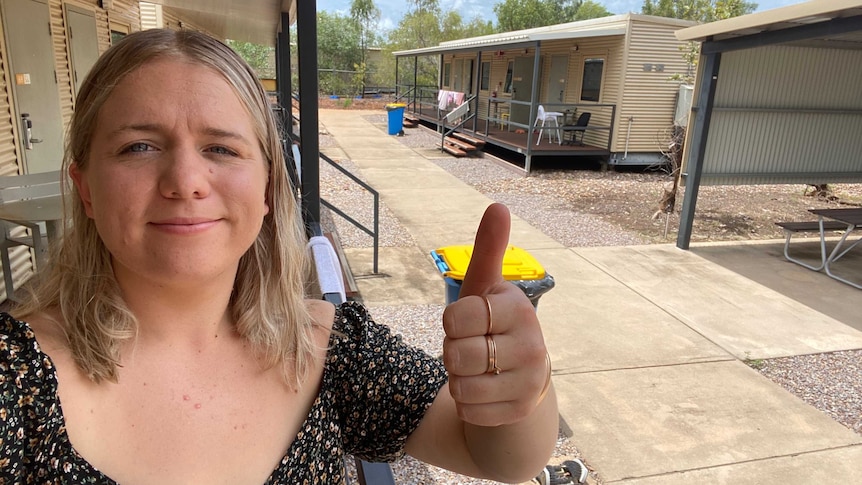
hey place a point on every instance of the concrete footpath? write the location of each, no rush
(648, 343)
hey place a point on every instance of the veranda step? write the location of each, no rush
(463, 145)
(409, 123)
(469, 139)
(454, 150)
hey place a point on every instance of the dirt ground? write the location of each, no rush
(630, 197)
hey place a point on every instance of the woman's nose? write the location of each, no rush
(185, 174)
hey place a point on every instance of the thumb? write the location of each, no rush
(485, 270)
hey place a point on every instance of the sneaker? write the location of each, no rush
(554, 475)
(576, 469)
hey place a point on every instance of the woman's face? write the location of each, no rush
(176, 180)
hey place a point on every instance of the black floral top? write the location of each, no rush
(375, 390)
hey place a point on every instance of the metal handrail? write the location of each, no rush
(374, 233)
(446, 132)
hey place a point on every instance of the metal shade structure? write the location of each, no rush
(777, 100)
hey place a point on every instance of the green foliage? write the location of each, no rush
(366, 15)
(260, 58)
(591, 10)
(698, 10)
(526, 14)
(338, 49)
(425, 25)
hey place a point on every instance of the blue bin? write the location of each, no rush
(396, 118)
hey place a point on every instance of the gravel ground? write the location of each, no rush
(594, 208)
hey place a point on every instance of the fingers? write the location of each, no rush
(470, 317)
(492, 400)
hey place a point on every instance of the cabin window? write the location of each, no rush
(509, 71)
(592, 82)
(486, 76)
(447, 72)
(118, 31)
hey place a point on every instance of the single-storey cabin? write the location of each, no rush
(618, 69)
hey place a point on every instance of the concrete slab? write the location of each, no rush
(744, 317)
(840, 465)
(360, 149)
(420, 174)
(764, 263)
(405, 276)
(646, 422)
(592, 323)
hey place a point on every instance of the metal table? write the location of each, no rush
(853, 219)
(41, 209)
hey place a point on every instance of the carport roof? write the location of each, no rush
(257, 21)
(777, 19)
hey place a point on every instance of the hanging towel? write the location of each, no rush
(443, 99)
(458, 98)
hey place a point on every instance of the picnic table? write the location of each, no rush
(846, 219)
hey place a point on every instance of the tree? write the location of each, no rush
(338, 51)
(527, 14)
(589, 9)
(698, 10)
(366, 15)
(425, 25)
(260, 57)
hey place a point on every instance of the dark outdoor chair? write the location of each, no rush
(580, 126)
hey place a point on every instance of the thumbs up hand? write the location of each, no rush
(493, 350)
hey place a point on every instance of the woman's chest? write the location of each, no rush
(186, 427)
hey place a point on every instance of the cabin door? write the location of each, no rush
(555, 90)
(522, 89)
(81, 27)
(34, 84)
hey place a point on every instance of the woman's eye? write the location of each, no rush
(137, 148)
(220, 150)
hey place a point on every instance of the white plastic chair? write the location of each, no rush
(545, 117)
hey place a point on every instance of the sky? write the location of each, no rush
(391, 11)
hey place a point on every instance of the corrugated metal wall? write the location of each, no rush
(783, 113)
(612, 50)
(649, 97)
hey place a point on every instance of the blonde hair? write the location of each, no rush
(267, 302)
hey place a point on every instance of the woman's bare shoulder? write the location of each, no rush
(322, 314)
(48, 328)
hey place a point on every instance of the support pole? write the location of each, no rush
(306, 39)
(694, 167)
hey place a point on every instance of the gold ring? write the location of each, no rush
(492, 356)
(490, 315)
(547, 386)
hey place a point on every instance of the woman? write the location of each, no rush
(172, 325)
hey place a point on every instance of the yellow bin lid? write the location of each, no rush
(518, 264)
